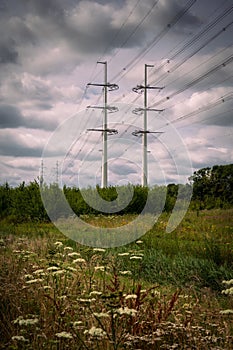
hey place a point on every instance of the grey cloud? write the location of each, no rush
(10, 146)
(22, 167)
(122, 169)
(10, 117)
(221, 119)
(8, 53)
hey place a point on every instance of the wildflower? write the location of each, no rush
(228, 291)
(47, 287)
(79, 260)
(95, 292)
(123, 254)
(52, 268)
(228, 282)
(134, 257)
(226, 312)
(82, 300)
(101, 314)
(38, 272)
(99, 250)
(140, 254)
(19, 338)
(100, 268)
(58, 272)
(58, 244)
(127, 272)
(26, 322)
(68, 249)
(73, 254)
(64, 334)
(36, 280)
(126, 311)
(76, 324)
(95, 332)
(131, 296)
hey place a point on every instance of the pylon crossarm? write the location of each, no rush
(140, 88)
(109, 131)
(111, 87)
(111, 109)
(154, 87)
(140, 110)
(141, 132)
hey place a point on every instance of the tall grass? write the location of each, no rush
(161, 292)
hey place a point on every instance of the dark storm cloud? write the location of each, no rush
(10, 117)
(11, 146)
(221, 119)
(89, 27)
(8, 53)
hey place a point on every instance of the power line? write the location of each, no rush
(155, 40)
(224, 63)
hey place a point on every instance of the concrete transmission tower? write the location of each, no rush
(140, 89)
(105, 130)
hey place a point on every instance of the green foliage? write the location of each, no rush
(213, 187)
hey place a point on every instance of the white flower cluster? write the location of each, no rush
(226, 312)
(99, 268)
(73, 254)
(101, 314)
(58, 244)
(228, 291)
(82, 300)
(130, 296)
(127, 272)
(36, 280)
(65, 335)
(135, 257)
(126, 311)
(95, 292)
(95, 332)
(19, 338)
(123, 254)
(26, 322)
(79, 260)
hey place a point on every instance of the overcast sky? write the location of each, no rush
(48, 54)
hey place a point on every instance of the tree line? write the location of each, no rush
(212, 188)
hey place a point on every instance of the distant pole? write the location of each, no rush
(105, 133)
(57, 173)
(42, 173)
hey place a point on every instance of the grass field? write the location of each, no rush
(164, 291)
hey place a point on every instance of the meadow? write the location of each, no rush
(163, 291)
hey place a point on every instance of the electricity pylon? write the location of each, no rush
(105, 130)
(139, 89)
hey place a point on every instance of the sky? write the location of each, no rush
(48, 54)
